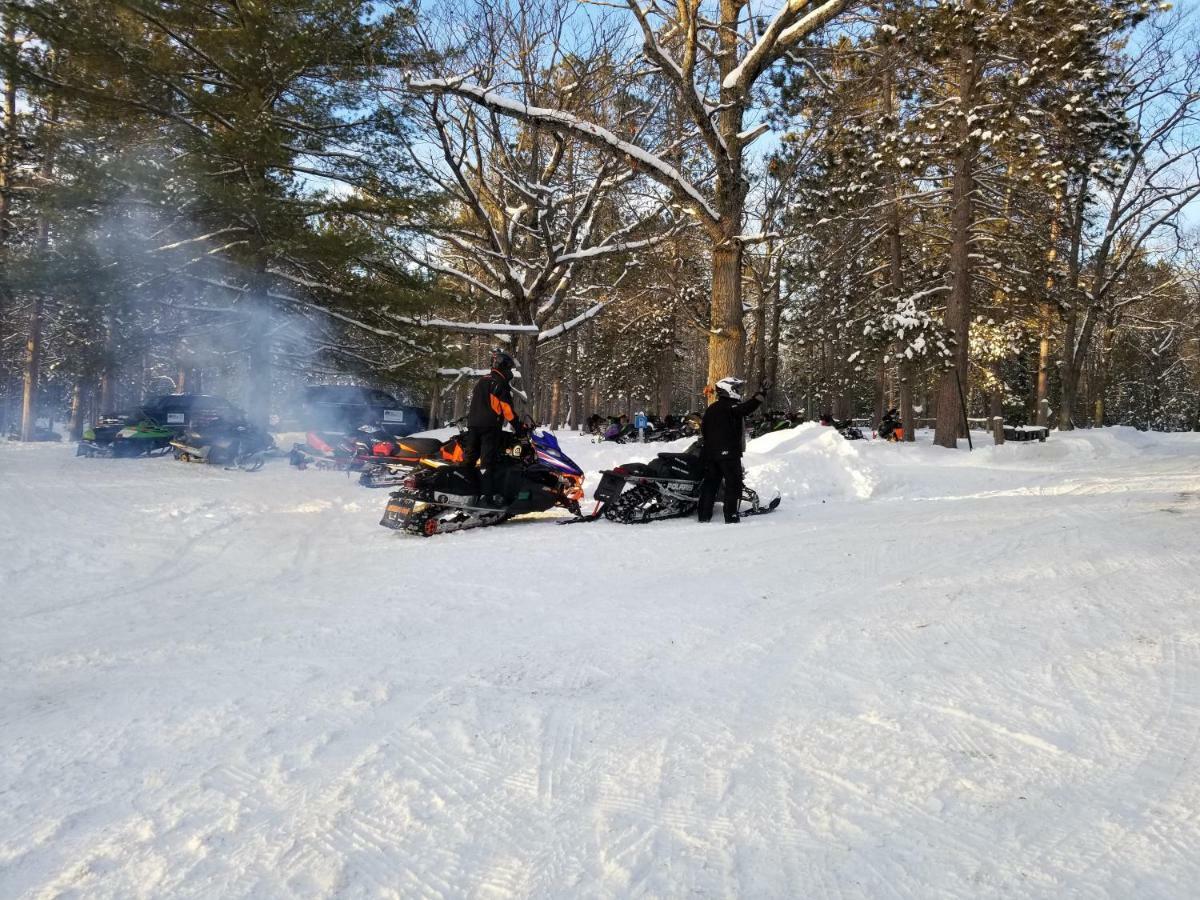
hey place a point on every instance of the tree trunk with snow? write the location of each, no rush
(958, 306)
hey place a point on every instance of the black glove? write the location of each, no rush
(517, 427)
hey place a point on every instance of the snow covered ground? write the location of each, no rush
(929, 674)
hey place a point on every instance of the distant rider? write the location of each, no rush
(491, 407)
(724, 431)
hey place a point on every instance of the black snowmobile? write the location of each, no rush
(667, 487)
(891, 428)
(846, 428)
(535, 475)
(406, 455)
(771, 422)
(232, 444)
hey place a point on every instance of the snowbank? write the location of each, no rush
(807, 463)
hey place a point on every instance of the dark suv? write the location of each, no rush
(343, 407)
(183, 411)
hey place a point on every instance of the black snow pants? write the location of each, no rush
(482, 445)
(728, 468)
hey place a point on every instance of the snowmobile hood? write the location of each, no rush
(549, 452)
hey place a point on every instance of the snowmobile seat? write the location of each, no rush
(457, 480)
(688, 457)
(417, 448)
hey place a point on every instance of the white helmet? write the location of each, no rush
(731, 388)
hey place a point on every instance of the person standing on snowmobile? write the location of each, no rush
(724, 431)
(491, 407)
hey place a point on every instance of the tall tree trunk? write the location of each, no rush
(9, 146)
(997, 396)
(575, 401)
(33, 367)
(1045, 317)
(880, 392)
(958, 306)
(907, 419)
(755, 368)
(33, 347)
(727, 338)
(1042, 398)
(1100, 384)
(896, 254)
(1074, 347)
(772, 373)
(527, 361)
(78, 405)
(556, 403)
(460, 401)
(666, 374)
(108, 373)
(258, 400)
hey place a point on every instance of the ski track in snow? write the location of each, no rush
(927, 675)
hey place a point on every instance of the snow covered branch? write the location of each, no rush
(588, 132)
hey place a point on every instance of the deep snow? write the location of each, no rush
(929, 674)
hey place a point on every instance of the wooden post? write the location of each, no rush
(998, 429)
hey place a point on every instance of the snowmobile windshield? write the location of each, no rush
(548, 451)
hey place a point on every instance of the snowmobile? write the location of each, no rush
(534, 475)
(667, 487)
(673, 429)
(890, 426)
(771, 422)
(232, 444)
(125, 437)
(324, 450)
(846, 428)
(407, 454)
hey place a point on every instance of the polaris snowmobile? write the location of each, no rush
(225, 443)
(667, 487)
(407, 454)
(534, 475)
(124, 437)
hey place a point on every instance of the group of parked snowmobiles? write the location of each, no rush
(194, 428)
(434, 493)
(622, 430)
(370, 450)
(890, 427)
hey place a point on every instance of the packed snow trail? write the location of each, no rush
(929, 674)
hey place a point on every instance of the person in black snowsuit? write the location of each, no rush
(491, 407)
(723, 429)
